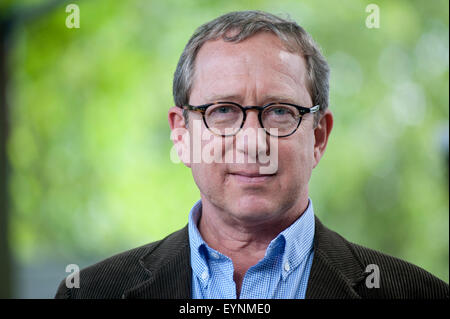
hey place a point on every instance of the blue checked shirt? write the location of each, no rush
(283, 272)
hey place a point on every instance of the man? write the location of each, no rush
(253, 234)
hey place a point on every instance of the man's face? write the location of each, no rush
(256, 71)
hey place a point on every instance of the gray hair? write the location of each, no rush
(248, 23)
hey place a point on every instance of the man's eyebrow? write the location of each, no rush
(278, 98)
(225, 97)
(238, 98)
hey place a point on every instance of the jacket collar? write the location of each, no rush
(336, 272)
(169, 269)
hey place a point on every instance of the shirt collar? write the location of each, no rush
(295, 242)
(197, 245)
(195, 238)
(298, 238)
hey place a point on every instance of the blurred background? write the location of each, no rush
(84, 139)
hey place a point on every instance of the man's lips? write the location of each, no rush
(250, 177)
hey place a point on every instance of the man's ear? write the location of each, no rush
(321, 134)
(179, 135)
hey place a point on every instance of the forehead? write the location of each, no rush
(260, 65)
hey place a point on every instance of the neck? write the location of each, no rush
(244, 242)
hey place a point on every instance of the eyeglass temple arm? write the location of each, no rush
(200, 108)
(314, 109)
(306, 110)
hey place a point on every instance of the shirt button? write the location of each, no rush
(205, 275)
(287, 267)
(214, 255)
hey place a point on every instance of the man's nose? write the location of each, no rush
(252, 119)
(251, 139)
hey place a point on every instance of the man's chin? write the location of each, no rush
(253, 209)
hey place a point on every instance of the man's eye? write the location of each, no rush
(280, 111)
(224, 109)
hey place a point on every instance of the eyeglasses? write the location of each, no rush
(227, 118)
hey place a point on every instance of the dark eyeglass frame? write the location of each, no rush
(302, 110)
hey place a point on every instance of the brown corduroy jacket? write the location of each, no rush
(162, 270)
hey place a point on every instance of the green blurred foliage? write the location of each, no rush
(89, 143)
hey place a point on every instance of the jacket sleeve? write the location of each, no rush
(63, 292)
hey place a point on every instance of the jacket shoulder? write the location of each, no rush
(391, 277)
(111, 277)
(369, 273)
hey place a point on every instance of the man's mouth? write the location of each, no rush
(250, 177)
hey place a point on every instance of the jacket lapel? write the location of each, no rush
(335, 273)
(169, 269)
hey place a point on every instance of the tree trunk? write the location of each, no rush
(5, 256)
